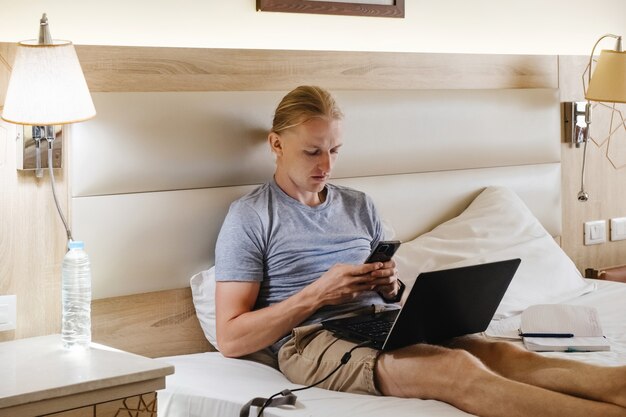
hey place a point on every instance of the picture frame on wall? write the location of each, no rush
(374, 8)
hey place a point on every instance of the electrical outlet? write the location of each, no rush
(595, 232)
(618, 228)
(7, 312)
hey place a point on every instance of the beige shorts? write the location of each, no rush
(313, 352)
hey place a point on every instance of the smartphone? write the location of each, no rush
(384, 251)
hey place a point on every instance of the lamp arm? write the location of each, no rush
(618, 48)
(50, 139)
(582, 194)
(37, 137)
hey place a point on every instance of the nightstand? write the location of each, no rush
(39, 377)
(615, 273)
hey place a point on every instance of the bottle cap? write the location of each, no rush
(76, 244)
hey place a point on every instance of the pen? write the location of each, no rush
(559, 335)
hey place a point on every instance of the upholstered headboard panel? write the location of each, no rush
(152, 176)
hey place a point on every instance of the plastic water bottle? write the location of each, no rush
(76, 297)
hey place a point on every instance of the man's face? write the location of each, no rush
(305, 156)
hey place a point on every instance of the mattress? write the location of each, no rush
(208, 384)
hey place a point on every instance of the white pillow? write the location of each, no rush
(203, 293)
(497, 225)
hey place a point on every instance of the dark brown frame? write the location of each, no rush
(332, 7)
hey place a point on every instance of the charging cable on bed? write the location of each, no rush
(288, 398)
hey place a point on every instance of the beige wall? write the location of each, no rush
(567, 27)
(31, 237)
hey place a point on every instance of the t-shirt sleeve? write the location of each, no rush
(376, 222)
(240, 248)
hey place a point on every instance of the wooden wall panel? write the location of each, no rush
(154, 324)
(32, 238)
(119, 68)
(7, 52)
(603, 182)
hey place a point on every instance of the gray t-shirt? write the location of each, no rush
(285, 245)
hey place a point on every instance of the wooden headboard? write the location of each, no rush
(181, 132)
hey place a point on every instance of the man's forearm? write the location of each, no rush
(258, 329)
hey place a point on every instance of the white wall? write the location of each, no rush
(477, 26)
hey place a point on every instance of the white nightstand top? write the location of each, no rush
(39, 368)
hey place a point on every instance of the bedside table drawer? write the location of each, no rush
(144, 405)
(77, 412)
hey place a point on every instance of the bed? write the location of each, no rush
(208, 384)
(497, 225)
(442, 153)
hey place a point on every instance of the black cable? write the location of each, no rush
(344, 359)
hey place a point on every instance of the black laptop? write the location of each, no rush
(442, 304)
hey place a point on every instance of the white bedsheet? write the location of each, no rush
(208, 384)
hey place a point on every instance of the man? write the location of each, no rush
(291, 253)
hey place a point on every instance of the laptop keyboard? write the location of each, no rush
(374, 328)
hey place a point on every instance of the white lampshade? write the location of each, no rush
(47, 86)
(608, 82)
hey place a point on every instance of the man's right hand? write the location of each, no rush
(343, 283)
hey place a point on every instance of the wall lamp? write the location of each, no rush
(606, 84)
(47, 89)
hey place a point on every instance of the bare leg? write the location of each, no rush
(460, 379)
(606, 384)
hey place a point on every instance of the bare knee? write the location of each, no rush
(501, 357)
(467, 371)
(429, 373)
(462, 361)
(506, 358)
(506, 349)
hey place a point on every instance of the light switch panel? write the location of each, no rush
(595, 232)
(618, 228)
